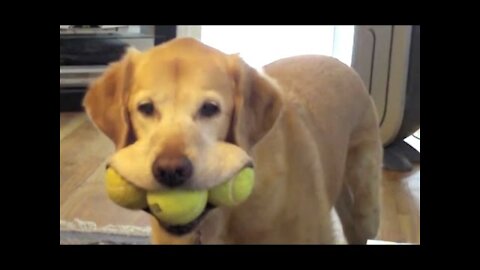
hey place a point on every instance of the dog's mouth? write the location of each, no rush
(180, 230)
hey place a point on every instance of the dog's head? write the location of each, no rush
(182, 114)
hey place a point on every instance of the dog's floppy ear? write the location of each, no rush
(257, 104)
(106, 100)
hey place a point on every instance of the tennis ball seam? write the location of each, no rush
(231, 195)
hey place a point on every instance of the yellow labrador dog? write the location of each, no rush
(185, 115)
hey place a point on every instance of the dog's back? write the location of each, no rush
(324, 142)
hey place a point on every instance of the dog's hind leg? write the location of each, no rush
(358, 205)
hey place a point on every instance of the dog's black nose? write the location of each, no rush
(172, 171)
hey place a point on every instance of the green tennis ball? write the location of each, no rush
(122, 192)
(235, 191)
(177, 207)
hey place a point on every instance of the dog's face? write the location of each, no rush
(182, 114)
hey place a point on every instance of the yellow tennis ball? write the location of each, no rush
(176, 206)
(233, 192)
(123, 193)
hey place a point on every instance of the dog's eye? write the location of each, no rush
(146, 108)
(209, 109)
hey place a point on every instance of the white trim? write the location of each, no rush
(342, 48)
(194, 31)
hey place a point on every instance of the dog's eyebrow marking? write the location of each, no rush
(175, 69)
(175, 75)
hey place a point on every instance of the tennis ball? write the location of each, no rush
(123, 193)
(234, 191)
(177, 206)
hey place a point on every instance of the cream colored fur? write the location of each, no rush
(307, 124)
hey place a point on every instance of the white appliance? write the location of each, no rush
(388, 60)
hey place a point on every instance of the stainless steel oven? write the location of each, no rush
(85, 52)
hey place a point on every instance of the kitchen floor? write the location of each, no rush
(83, 154)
